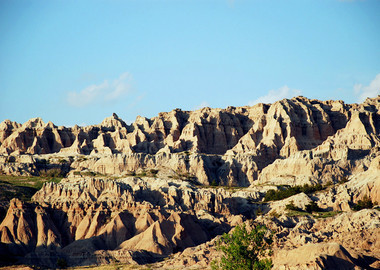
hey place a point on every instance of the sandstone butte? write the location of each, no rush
(161, 191)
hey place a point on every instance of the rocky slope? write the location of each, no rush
(232, 146)
(162, 187)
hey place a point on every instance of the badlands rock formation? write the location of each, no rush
(170, 185)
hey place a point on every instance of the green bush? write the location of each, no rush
(275, 195)
(292, 207)
(245, 249)
(366, 203)
(313, 207)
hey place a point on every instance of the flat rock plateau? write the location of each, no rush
(159, 192)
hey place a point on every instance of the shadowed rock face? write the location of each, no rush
(138, 210)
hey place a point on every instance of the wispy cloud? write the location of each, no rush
(372, 90)
(202, 105)
(104, 92)
(278, 94)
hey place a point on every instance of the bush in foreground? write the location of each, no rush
(245, 249)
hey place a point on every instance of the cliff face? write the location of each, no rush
(230, 146)
(283, 127)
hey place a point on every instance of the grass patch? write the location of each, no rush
(326, 214)
(295, 213)
(21, 187)
(35, 182)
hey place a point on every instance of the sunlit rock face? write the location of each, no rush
(304, 141)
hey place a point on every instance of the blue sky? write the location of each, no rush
(77, 62)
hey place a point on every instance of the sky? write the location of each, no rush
(77, 62)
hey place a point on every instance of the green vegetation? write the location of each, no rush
(365, 203)
(287, 191)
(326, 214)
(311, 209)
(52, 173)
(88, 173)
(33, 182)
(292, 207)
(21, 187)
(245, 249)
(297, 213)
(144, 173)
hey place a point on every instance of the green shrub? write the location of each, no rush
(286, 192)
(366, 203)
(313, 207)
(245, 250)
(292, 207)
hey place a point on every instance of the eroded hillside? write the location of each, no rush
(166, 187)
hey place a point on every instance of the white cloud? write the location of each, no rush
(106, 91)
(202, 105)
(372, 90)
(278, 94)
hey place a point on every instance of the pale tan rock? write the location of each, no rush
(314, 256)
(290, 142)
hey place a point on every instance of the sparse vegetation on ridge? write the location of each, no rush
(287, 191)
(21, 187)
(365, 203)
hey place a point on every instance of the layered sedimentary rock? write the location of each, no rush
(347, 241)
(138, 193)
(231, 146)
(79, 216)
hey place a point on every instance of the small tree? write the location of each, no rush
(245, 250)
